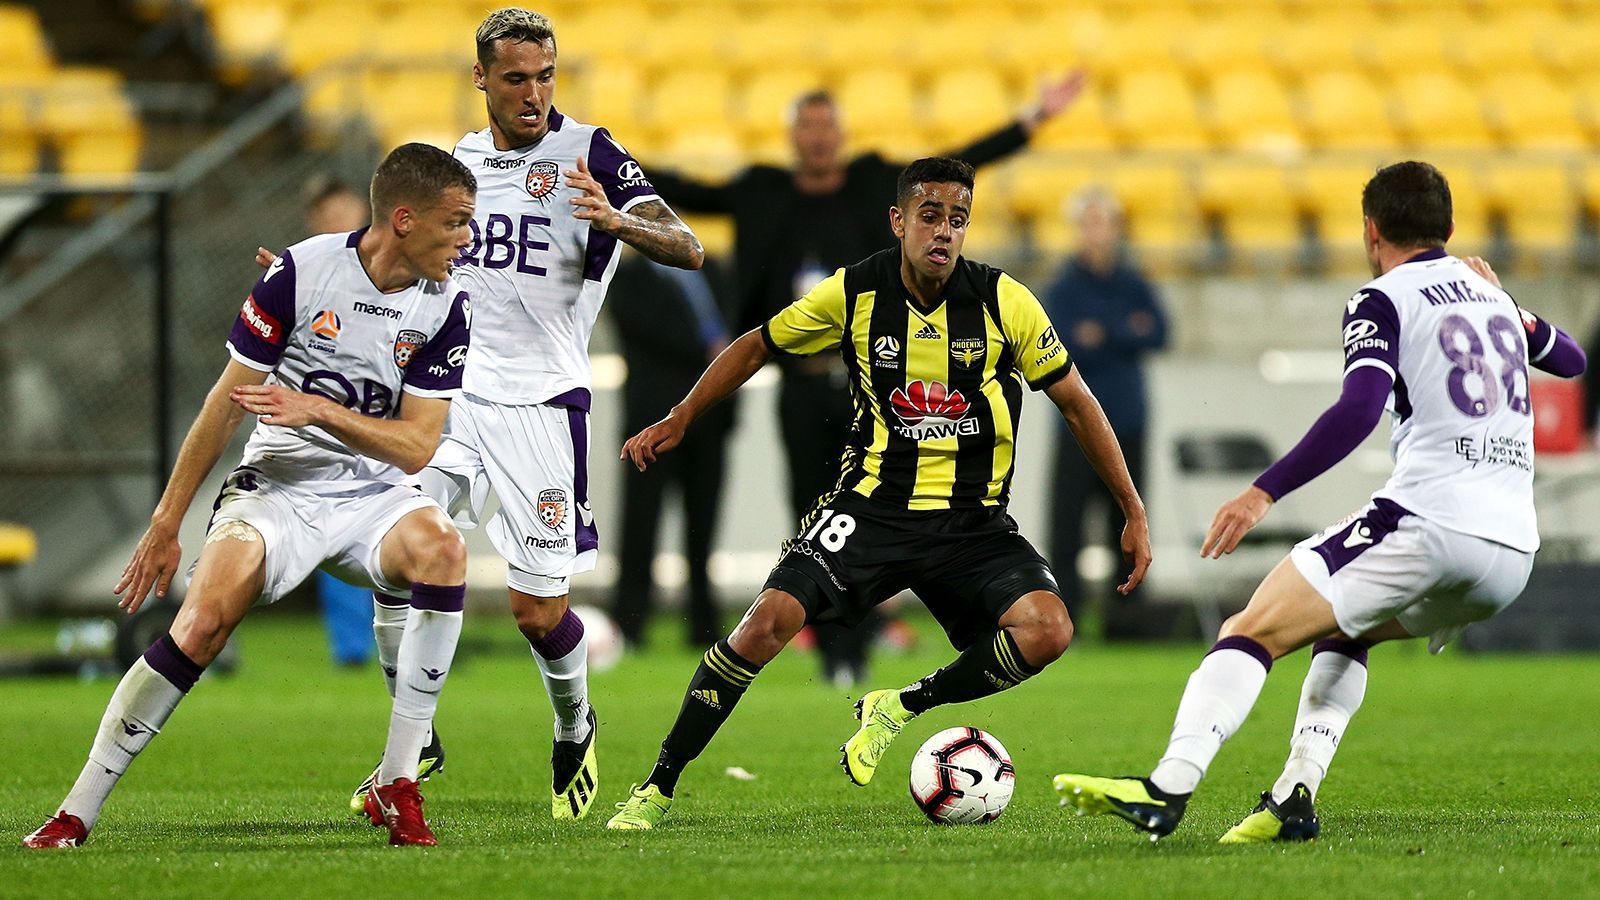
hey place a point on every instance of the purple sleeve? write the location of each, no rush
(1552, 350)
(619, 174)
(261, 331)
(435, 370)
(1371, 332)
(1339, 431)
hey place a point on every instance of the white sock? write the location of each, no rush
(388, 628)
(426, 651)
(1332, 693)
(1215, 703)
(563, 659)
(138, 709)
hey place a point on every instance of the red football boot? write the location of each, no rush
(62, 831)
(400, 804)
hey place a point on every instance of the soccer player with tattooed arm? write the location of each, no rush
(348, 351)
(939, 350)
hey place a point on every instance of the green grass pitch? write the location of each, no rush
(1461, 776)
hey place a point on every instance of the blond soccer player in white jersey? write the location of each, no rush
(348, 351)
(555, 198)
(1448, 541)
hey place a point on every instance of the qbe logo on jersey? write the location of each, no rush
(928, 411)
(552, 507)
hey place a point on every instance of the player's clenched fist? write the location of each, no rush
(1233, 520)
(643, 447)
(277, 405)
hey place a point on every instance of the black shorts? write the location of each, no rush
(966, 565)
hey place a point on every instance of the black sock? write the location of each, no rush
(987, 667)
(717, 685)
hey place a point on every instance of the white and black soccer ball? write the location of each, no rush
(962, 776)
(605, 639)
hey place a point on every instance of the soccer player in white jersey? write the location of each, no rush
(1448, 541)
(555, 197)
(348, 350)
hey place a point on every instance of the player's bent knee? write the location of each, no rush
(768, 627)
(537, 616)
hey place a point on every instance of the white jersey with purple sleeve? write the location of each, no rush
(1457, 347)
(317, 323)
(537, 275)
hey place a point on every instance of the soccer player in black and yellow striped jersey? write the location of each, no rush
(939, 349)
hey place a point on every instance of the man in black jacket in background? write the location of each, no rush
(670, 327)
(794, 227)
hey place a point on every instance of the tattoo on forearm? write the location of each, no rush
(653, 229)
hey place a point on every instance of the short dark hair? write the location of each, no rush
(512, 23)
(416, 174)
(1410, 204)
(935, 169)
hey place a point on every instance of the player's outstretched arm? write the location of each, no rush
(1093, 433)
(156, 558)
(651, 228)
(406, 441)
(730, 370)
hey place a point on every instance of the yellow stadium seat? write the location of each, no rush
(1586, 94)
(108, 151)
(1530, 110)
(990, 232)
(1589, 186)
(427, 34)
(1486, 48)
(1472, 212)
(341, 96)
(673, 42)
(1435, 110)
(876, 37)
(19, 153)
(1539, 202)
(689, 98)
(83, 99)
(1082, 126)
(1254, 204)
(715, 233)
(1140, 41)
(1159, 202)
(430, 100)
(1342, 109)
(765, 99)
(1402, 44)
(1315, 44)
(709, 151)
(776, 38)
(22, 40)
(1037, 186)
(958, 104)
(1249, 110)
(1232, 40)
(249, 35)
(1052, 38)
(329, 34)
(1330, 193)
(606, 94)
(879, 99)
(1574, 48)
(1156, 110)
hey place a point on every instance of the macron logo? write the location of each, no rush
(1359, 535)
(275, 268)
(1355, 301)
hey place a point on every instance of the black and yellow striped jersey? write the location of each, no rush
(937, 391)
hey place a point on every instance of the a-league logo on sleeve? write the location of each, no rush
(552, 507)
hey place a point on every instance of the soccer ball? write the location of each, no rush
(605, 641)
(962, 776)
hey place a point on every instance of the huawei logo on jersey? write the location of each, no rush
(928, 410)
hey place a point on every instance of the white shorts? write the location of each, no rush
(535, 459)
(1385, 562)
(335, 525)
